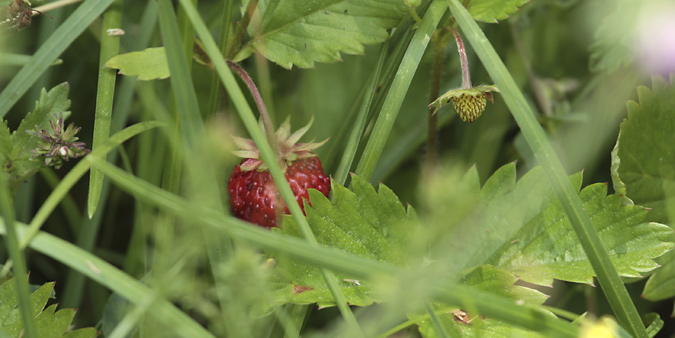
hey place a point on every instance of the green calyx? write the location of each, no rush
(468, 103)
(289, 149)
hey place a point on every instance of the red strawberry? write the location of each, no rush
(253, 195)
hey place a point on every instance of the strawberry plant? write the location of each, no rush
(452, 178)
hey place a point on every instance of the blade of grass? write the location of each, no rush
(113, 278)
(398, 89)
(222, 42)
(266, 152)
(105, 93)
(609, 279)
(438, 325)
(488, 304)
(358, 127)
(16, 254)
(62, 37)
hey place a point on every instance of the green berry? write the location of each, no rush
(469, 107)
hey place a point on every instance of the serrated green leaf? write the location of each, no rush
(643, 165)
(303, 32)
(362, 222)
(547, 248)
(494, 280)
(493, 10)
(149, 64)
(521, 227)
(643, 168)
(48, 322)
(53, 102)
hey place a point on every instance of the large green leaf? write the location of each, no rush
(148, 64)
(48, 322)
(362, 222)
(303, 32)
(521, 227)
(518, 226)
(493, 10)
(643, 167)
(547, 248)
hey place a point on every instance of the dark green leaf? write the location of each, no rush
(303, 32)
(149, 64)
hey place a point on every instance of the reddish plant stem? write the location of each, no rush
(264, 115)
(466, 76)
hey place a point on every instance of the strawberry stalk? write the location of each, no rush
(268, 127)
(463, 60)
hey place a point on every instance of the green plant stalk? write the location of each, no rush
(527, 316)
(62, 37)
(609, 279)
(187, 34)
(349, 152)
(398, 89)
(17, 256)
(266, 152)
(222, 42)
(239, 34)
(105, 94)
(264, 77)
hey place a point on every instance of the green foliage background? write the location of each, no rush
(187, 268)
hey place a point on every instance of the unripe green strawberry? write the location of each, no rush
(253, 195)
(469, 107)
(469, 103)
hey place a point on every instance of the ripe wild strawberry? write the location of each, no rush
(253, 195)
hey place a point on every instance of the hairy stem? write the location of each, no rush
(466, 76)
(264, 115)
